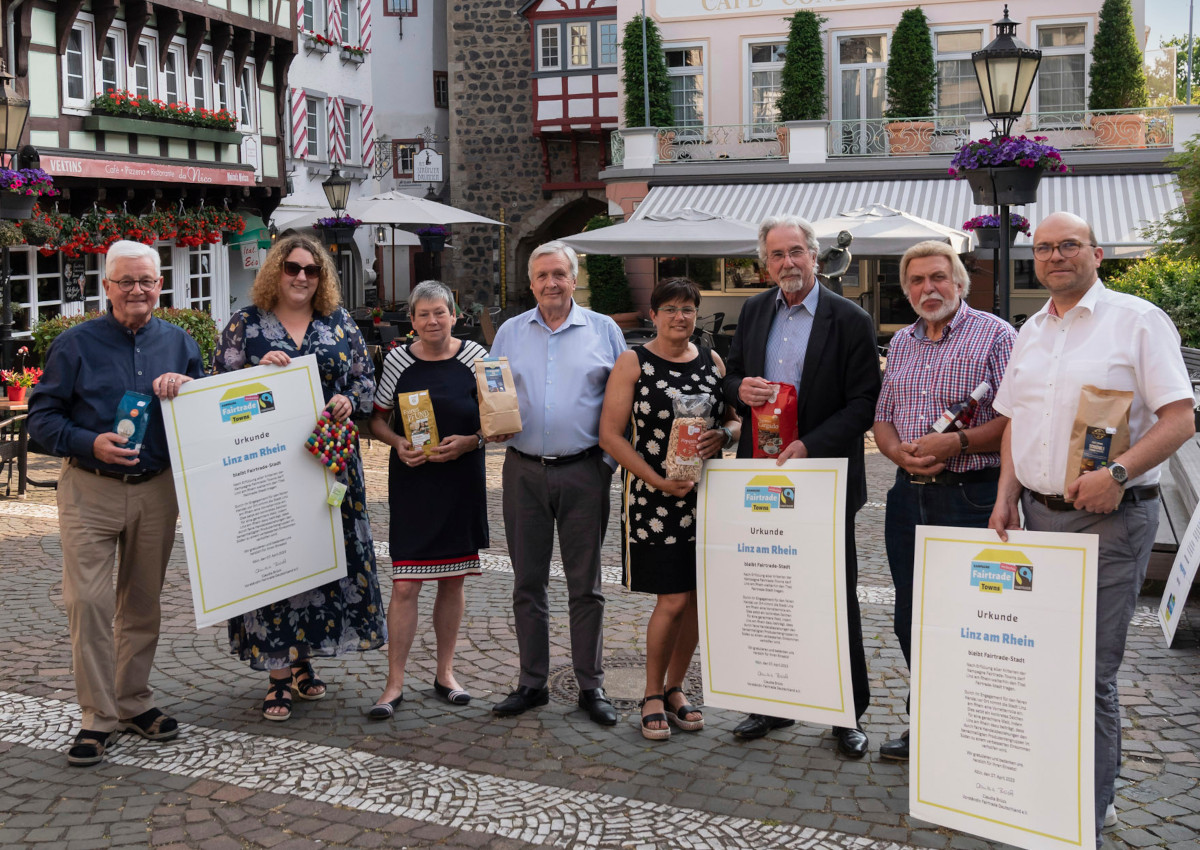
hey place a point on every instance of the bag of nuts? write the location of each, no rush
(683, 461)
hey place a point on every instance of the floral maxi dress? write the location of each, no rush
(346, 614)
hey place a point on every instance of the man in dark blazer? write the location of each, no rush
(823, 344)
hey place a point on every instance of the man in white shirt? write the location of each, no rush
(1087, 334)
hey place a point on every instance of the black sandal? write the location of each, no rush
(678, 716)
(282, 691)
(152, 725)
(304, 687)
(655, 734)
(88, 748)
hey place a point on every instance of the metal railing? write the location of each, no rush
(722, 141)
(887, 137)
(1151, 127)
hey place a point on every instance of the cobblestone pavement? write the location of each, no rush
(439, 776)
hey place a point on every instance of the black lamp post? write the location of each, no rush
(337, 190)
(1005, 71)
(14, 109)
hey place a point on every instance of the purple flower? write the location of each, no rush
(1021, 151)
(1017, 222)
(331, 222)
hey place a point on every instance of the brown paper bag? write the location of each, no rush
(416, 412)
(1100, 433)
(498, 409)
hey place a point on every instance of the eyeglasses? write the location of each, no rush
(293, 269)
(672, 312)
(1067, 249)
(126, 284)
(795, 255)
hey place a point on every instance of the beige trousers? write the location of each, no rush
(114, 629)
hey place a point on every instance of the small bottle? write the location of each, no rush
(957, 417)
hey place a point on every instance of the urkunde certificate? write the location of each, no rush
(1003, 683)
(257, 524)
(771, 588)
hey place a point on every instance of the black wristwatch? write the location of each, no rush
(1118, 472)
(482, 442)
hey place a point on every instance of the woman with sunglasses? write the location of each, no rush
(296, 312)
(658, 516)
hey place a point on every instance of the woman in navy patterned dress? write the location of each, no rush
(296, 312)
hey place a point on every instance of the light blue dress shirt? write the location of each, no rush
(560, 377)
(788, 340)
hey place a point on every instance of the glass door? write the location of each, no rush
(861, 74)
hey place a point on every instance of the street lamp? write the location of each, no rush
(14, 109)
(1005, 71)
(337, 190)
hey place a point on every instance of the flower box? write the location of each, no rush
(351, 57)
(1009, 185)
(113, 124)
(15, 207)
(313, 44)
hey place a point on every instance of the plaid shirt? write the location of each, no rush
(925, 377)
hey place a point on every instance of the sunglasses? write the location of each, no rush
(293, 270)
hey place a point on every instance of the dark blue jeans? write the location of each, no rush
(910, 505)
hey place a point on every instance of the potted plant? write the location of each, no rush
(339, 229)
(19, 190)
(607, 284)
(802, 80)
(987, 228)
(1005, 170)
(1118, 79)
(18, 382)
(911, 84)
(433, 238)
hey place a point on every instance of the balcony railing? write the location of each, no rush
(1152, 127)
(722, 141)
(885, 137)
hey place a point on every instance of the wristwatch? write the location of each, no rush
(481, 442)
(962, 442)
(728, 437)
(1118, 472)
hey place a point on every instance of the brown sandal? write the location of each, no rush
(152, 725)
(88, 748)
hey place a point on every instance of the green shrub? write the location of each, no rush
(802, 81)
(198, 324)
(1174, 285)
(911, 72)
(607, 283)
(1118, 76)
(661, 113)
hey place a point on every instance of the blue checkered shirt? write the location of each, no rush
(787, 341)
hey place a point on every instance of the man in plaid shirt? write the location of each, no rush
(941, 478)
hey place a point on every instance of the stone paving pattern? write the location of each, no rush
(448, 777)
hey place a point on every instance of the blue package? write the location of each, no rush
(133, 415)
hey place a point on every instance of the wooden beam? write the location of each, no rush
(263, 44)
(137, 12)
(104, 11)
(65, 15)
(169, 21)
(285, 52)
(197, 26)
(221, 35)
(24, 35)
(243, 41)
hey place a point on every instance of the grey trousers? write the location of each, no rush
(573, 498)
(1126, 537)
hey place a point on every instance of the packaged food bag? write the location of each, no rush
(683, 461)
(498, 410)
(774, 423)
(1100, 433)
(133, 415)
(416, 412)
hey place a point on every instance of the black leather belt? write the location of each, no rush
(975, 476)
(126, 478)
(1133, 494)
(561, 460)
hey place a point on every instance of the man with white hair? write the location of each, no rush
(556, 476)
(824, 345)
(942, 477)
(113, 499)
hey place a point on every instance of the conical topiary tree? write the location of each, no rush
(661, 113)
(911, 72)
(802, 81)
(607, 284)
(1118, 78)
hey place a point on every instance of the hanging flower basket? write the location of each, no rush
(1005, 170)
(987, 229)
(14, 207)
(993, 186)
(433, 238)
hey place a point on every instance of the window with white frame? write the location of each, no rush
(197, 289)
(766, 74)
(247, 99)
(142, 77)
(1062, 76)
(548, 48)
(685, 68)
(173, 86)
(404, 152)
(402, 8)
(580, 36)
(311, 15)
(957, 89)
(166, 254)
(350, 22)
(315, 121)
(200, 81)
(112, 62)
(78, 67)
(441, 90)
(353, 133)
(608, 42)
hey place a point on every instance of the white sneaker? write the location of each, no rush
(1110, 816)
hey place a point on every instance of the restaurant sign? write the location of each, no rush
(685, 9)
(69, 166)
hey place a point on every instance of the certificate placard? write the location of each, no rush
(771, 588)
(1003, 683)
(1179, 582)
(256, 524)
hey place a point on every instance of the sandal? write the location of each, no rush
(88, 748)
(654, 734)
(279, 695)
(305, 681)
(152, 725)
(678, 716)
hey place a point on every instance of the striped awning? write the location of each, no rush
(1118, 206)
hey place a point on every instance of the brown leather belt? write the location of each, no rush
(1133, 494)
(126, 478)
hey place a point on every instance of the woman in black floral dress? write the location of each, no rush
(658, 515)
(296, 313)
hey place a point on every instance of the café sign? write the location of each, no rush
(68, 166)
(667, 9)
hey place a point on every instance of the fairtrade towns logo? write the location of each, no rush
(245, 401)
(998, 570)
(765, 493)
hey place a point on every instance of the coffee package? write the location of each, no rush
(683, 461)
(1100, 433)
(774, 422)
(133, 416)
(499, 412)
(420, 427)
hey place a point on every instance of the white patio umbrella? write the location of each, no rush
(689, 232)
(395, 207)
(880, 230)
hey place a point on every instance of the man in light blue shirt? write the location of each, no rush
(556, 475)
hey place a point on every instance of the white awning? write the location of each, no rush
(1117, 206)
